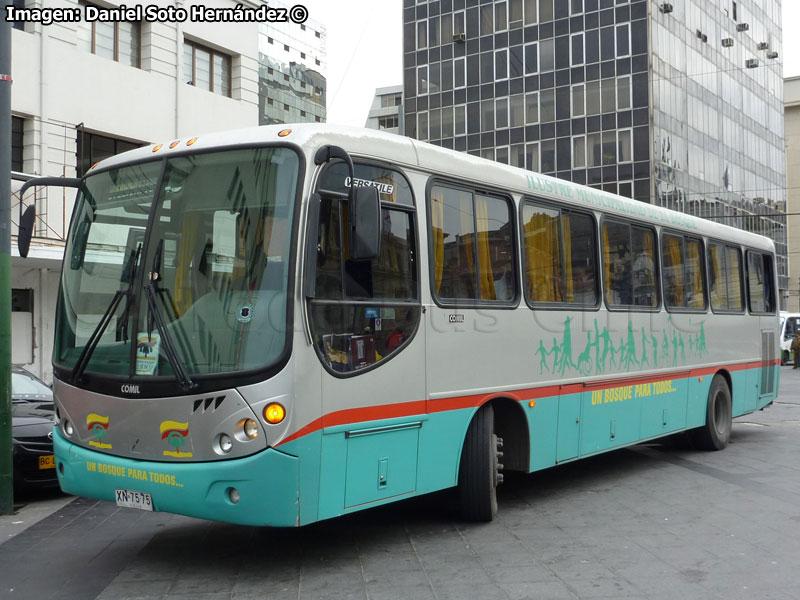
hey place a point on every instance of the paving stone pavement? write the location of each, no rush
(657, 521)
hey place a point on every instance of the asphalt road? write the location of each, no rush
(655, 521)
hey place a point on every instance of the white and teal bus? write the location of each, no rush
(280, 325)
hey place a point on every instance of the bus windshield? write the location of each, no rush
(207, 237)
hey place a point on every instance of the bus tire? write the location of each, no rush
(716, 433)
(478, 472)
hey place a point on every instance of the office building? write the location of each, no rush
(677, 104)
(292, 83)
(791, 90)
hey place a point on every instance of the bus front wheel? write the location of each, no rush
(478, 474)
(716, 433)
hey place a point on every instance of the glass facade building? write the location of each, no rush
(292, 83)
(673, 103)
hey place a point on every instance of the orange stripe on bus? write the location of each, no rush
(434, 405)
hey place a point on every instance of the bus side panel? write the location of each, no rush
(569, 426)
(746, 383)
(307, 449)
(612, 422)
(333, 470)
(441, 440)
(544, 432)
(698, 400)
(664, 405)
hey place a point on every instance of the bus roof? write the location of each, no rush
(406, 152)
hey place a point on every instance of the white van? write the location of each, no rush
(790, 323)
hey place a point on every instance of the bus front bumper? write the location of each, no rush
(267, 483)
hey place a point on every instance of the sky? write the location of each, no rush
(365, 51)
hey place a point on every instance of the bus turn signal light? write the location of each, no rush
(274, 413)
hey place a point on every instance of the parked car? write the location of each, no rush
(32, 418)
(789, 324)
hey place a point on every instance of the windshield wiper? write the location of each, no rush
(174, 358)
(94, 339)
(129, 275)
(166, 337)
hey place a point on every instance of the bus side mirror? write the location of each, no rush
(25, 232)
(365, 224)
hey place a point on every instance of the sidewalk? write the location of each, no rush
(29, 510)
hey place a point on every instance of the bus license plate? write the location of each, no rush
(131, 499)
(47, 461)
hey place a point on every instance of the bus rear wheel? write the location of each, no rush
(716, 433)
(479, 472)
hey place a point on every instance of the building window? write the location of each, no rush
(579, 152)
(578, 100)
(119, 41)
(460, 119)
(625, 146)
(532, 108)
(206, 68)
(422, 35)
(532, 156)
(422, 80)
(391, 100)
(624, 92)
(93, 148)
(389, 122)
(18, 24)
(17, 126)
(623, 40)
(577, 49)
(422, 126)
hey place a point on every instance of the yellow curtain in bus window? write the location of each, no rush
(147, 346)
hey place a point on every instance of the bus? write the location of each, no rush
(285, 324)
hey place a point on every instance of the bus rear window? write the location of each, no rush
(760, 278)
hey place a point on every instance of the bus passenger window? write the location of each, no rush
(550, 235)
(683, 272)
(629, 265)
(724, 277)
(473, 254)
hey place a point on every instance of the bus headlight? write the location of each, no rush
(224, 442)
(274, 413)
(68, 429)
(250, 429)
